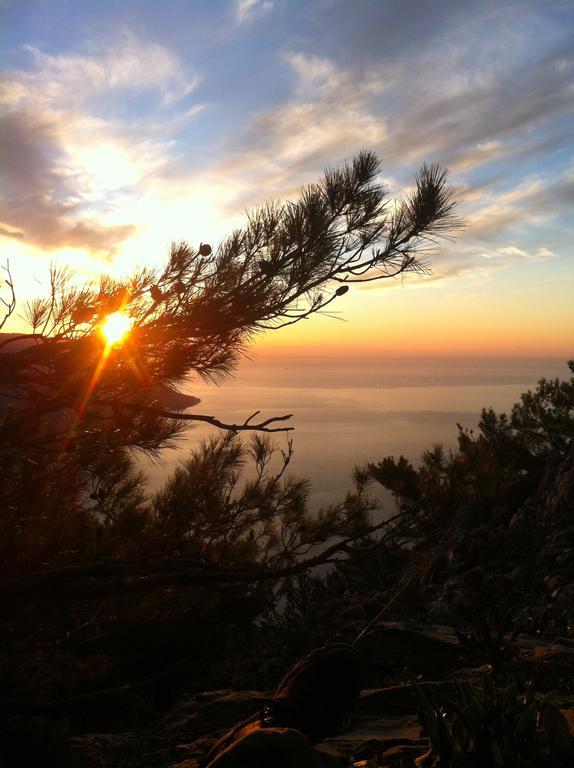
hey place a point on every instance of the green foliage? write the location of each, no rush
(491, 640)
(484, 727)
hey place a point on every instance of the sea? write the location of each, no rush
(347, 412)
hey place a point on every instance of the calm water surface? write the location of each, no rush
(354, 411)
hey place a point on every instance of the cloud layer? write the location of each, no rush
(119, 141)
(71, 142)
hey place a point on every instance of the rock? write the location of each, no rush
(427, 649)
(211, 712)
(105, 750)
(377, 739)
(277, 747)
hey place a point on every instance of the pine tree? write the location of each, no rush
(76, 402)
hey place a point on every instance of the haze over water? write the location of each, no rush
(351, 411)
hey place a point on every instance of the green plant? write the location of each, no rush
(486, 727)
(491, 639)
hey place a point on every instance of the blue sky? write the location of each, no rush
(128, 124)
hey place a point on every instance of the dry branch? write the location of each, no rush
(98, 580)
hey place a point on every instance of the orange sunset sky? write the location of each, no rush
(128, 125)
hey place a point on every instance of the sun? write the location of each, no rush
(115, 328)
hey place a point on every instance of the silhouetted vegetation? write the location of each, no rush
(75, 407)
(115, 602)
(503, 462)
(472, 544)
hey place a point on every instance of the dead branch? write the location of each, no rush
(9, 304)
(109, 578)
(247, 425)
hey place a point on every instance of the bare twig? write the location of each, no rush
(9, 304)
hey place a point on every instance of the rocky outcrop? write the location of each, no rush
(384, 730)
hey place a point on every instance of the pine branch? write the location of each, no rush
(97, 580)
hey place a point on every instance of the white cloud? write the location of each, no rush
(70, 80)
(512, 251)
(249, 10)
(70, 155)
(479, 154)
(533, 203)
(85, 176)
(328, 119)
(313, 73)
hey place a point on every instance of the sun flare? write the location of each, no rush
(115, 328)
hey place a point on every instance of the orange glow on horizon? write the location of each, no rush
(415, 339)
(421, 323)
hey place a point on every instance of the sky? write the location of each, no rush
(127, 124)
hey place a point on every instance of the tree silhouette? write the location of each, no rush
(505, 459)
(74, 402)
(112, 586)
